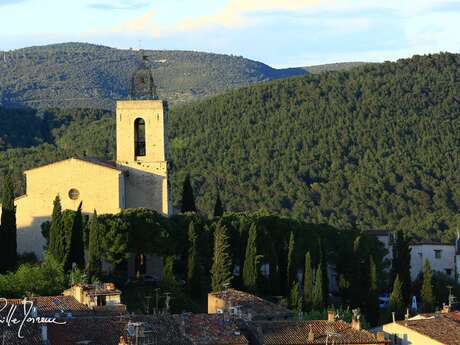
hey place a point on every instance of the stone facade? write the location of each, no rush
(135, 180)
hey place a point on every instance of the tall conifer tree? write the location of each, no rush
(57, 235)
(251, 261)
(308, 283)
(396, 303)
(401, 264)
(76, 246)
(218, 207)
(94, 247)
(221, 270)
(188, 200)
(318, 293)
(372, 305)
(193, 264)
(290, 270)
(427, 288)
(295, 298)
(8, 233)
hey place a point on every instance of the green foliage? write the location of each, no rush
(308, 283)
(221, 270)
(251, 262)
(87, 75)
(427, 289)
(371, 308)
(295, 298)
(168, 271)
(401, 264)
(57, 245)
(218, 207)
(318, 293)
(45, 279)
(188, 200)
(290, 270)
(396, 303)
(76, 248)
(8, 236)
(193, 262)
(94, 247)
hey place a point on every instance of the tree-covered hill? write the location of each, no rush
(374, 147)
(84, 75)
(330, 67)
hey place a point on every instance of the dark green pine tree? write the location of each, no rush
(221, 270)
(372, 305)
(396, 303)
(8, 231)
(168, 272)
(308, 283)
(290, 269)
(188, 200)
(193, 264)
(94, 247)
(318, 293)
(356, 277)
(427, 288)
(251, 261)
(325, 280)
(295, 298)
(76, 246)
(57, 234)
(218, 207)
(401, 264)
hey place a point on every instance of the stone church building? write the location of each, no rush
(137, 179)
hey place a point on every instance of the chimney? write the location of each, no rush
(331, 315)
(356, 323)
(393, 315)
(311, 335)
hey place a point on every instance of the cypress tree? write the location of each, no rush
(308, 283)
(168, 271)
(94, 247)
(427, 288)
(218, 207)
(221, 270)
(57, 236)
(8, 227)
(372, 305)
(193, 266)
(295, 299)
(250, 268)
(318, 293)
(396, 303)
(325, 280)
(290, 270)
(401, 264)
(188, 200)
(76, 248)
(356, 280)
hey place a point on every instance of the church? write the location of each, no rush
(138, 178)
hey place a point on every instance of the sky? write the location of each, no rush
(281, 33)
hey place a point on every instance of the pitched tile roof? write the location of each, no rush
(297, 333)
(211, 329)
(49, 305)
(444, 328)
(257, 307)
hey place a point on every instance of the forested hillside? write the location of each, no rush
(374, 147)
(84, 75)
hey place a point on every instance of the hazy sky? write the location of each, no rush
(277, 32)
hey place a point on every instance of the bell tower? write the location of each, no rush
(142, 144)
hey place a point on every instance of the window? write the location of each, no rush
(139, 137)
(437, 253)
(74, 194)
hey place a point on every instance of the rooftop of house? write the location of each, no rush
(251, 304)
(49, 305)
(310, 332)
(442, 327)
(157, 329)
(211, 329)
(103, 289)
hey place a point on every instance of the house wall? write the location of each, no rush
(214, 304)
(98, 186)
(407, 336)
(421, 252)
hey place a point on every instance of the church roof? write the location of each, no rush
(91, 160)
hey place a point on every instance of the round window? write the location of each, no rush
(74, 194)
